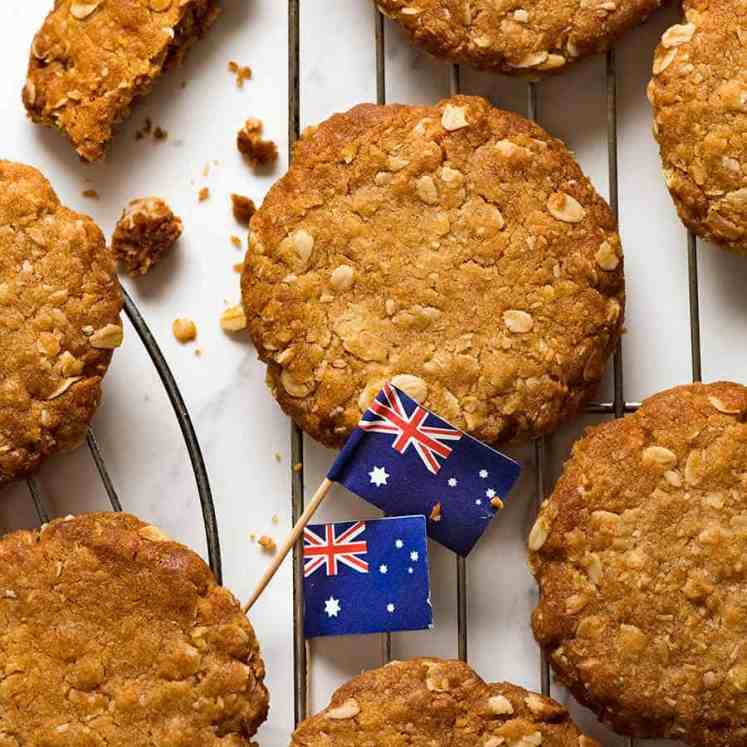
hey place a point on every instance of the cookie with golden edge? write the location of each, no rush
(457, 250)
(59, 321)
(92, 59)
(640, 559)
(528, 37)
(112, 634)
(437, 703)
(699, 97)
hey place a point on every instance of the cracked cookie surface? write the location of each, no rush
(699, 97)
(93, 58)
(112, 634)
(640, 559)
(437, 703)
(456, 250)
(533, 36)
(59, 321)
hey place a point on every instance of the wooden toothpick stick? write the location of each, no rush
(293, 537)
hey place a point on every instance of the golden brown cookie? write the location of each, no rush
(59, 321)
(699, 96)
(437, 703)
(93, 58)
(640, 559)
(114, 635)
(531, 36)
(457, 250)
(146, 231)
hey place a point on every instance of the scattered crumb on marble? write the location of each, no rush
(243, 208)
(203, 194)
(267, 543)
(256, 151)
(91, 194)
(185, 330)
(241, 72)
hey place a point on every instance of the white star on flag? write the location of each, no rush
(390, 607)
(414, 555)
(383, 568)
(490, 493)
(483, 473)
(452, 482)
(332, 607)
(378, 476)
(399, 544)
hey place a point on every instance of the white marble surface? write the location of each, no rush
(239, 425)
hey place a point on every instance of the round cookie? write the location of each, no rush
(457, 250)
(112, 634)
(435, 703)
(640, 559)
(59, 321)
(533, 36)
(699, 94)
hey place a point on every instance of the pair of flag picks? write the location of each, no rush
(431, 479)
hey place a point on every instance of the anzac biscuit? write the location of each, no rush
(93, 58)
(457, 250)
(640, 559)
(532, 36)
(59, 321)
(435, 703)
(699, 96)
(112, 634)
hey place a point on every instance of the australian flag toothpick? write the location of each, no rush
(406, 460)
(366, 577)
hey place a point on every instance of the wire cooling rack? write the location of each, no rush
(617, 407)
(190, 439)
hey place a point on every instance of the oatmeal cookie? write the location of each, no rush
(147, 230)
(93, 58)
(699, 96)
(59, 321)
(532, 36)
(456, 250)
(112, 634)
(435, 703)
(640, 559)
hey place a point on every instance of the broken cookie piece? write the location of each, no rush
(91, 60)
(249, 141)
(147, 230)
(243, 208)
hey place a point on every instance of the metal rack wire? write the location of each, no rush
(617, 407)
(190, 439)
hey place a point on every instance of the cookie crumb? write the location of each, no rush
(242, 72)
(243, 208)
(238, 267)
(91, 194)
(233, 319)
(145, 233)
(235, 240)
(298, 466)
(278, 457)
(185, 330)
(496, 503)
(258, 152)
(160, 134)
(275, 519)
(436, 513)
(252, 537)
(267, 543)
(203, 194)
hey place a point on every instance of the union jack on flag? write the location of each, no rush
(389, 416)
(408, 461)
(330, 550)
